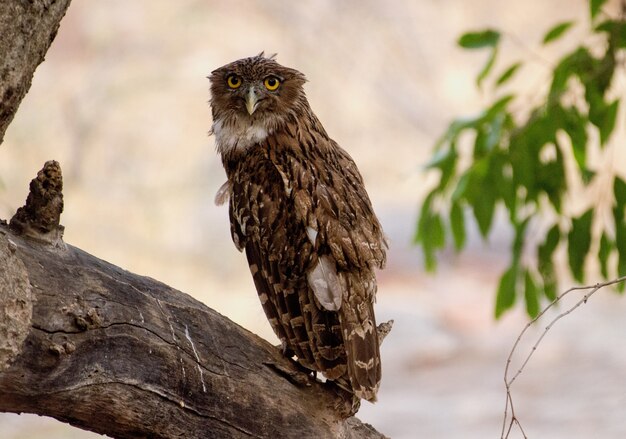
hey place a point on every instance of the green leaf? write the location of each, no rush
(440, 156)
(455, 129)
(616, 30)
(524, 148)
(487, 67)
(620, 242)
(457, 223)
(546, 249)
(606, 245)
(602, 114)
(471, 183)
(461, 189)
(551, 178)
(518, 243)
(484, 208)
(425, 214)
(608, 121)
(575, 64)
(545, 263)
(549, 284)
(619, 191)
(531, 295)
(459, 125)
(488, 136)
(437, 232)
(587, 175)
(430, 233)
(483, 199)
(445, 160)
(494, 131)
(525, 145)
(506, 191)
(498, 107)
(508, 74)
(557, 31)
(500, 181)
(594, 6)
(477, 40)
(505, 297)
(579, 241)
(574, 124)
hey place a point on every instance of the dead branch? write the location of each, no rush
(510, 419)
(120, 354)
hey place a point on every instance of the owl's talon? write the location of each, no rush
(297, 377)
(348, 404)
(285, 350)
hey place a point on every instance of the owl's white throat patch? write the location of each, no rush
(233, 134)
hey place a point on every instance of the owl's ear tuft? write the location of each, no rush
(271, 57)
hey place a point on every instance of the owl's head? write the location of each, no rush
(255, 89)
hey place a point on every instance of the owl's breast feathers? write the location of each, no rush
(299, 208)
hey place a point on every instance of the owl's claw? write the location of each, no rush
(285, 350)
(348, 404)
(298, 377)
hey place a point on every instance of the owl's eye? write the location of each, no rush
(271, 83)
(233, 81)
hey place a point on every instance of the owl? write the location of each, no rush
(299, 210)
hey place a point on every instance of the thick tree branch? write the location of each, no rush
(106, 350)
(27, 29)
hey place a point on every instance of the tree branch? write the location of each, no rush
(27, 28)
(106, 350)
(510, 419)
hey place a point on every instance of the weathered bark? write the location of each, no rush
(27, 28)
(106, 350)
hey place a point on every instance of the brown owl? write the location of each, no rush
(299, 209)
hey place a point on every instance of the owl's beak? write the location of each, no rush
(251, 100)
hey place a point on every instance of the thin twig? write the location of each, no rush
(512, 418)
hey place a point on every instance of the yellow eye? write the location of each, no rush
(271, 83)
(233, 81)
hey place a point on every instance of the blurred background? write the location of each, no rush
(122, 103)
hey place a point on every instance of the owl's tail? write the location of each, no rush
(358, 325)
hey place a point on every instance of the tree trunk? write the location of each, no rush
(27, 28)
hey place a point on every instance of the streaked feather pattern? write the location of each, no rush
(299, 209)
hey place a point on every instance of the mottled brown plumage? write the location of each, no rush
(299, 209)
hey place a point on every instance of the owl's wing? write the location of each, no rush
(278, 254)
(336, 209)
(239, 238)
(332, 203)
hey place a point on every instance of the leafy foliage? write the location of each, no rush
(557, 31)
(521, 164)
